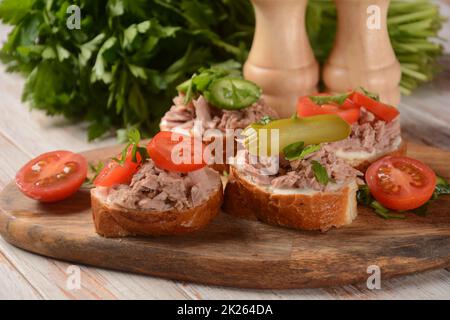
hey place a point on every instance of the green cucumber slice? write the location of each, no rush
(232, 93)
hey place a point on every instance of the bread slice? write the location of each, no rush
(112, 221)
(293, 208)
(363, 161)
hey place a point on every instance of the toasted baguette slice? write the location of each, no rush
(113, 222)
(361, 161)
(293, 208)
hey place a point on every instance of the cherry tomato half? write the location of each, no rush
(383, 111)
(307, 108)
(167, 150)
(118, 173)
(400, 183)
(52, 176)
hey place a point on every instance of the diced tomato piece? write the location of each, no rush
(307, 108)
(118, 173)
(348, 104)
(350, 115)
(380, 110)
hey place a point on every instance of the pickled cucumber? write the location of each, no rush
(261, 138)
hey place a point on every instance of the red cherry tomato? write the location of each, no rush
(400, 183)
(52, 176)
(116, 173)
(168, 151)
(383, 111)
(350, 115)
(307, 108)
(348, 104)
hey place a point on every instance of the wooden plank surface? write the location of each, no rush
(25, 275)
(13, 284)
(236, 252)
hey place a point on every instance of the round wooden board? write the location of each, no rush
(239, 253)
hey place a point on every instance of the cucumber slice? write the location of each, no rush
(232, 93)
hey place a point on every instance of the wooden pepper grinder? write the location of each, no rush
(362, 53)
(281, 60)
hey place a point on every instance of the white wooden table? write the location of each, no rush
(23, 275)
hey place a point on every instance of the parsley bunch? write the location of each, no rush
(120, 69)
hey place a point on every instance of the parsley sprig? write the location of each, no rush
(265, 120)
(373, 95)
(320, 173)
(337, 98)
(298, 150)
(134, 138)
(95, 169)
(341, 97)
(200, 82)
(365, 198)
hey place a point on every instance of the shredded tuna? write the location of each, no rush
(181, 115)
(299, 174)
(155, 189)
(202, 110)
(371, 135)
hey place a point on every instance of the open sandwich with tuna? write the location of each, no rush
(211, 113)
(294, 196)
(157, 202)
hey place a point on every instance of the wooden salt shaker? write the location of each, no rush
(362, 53)
(281, 60)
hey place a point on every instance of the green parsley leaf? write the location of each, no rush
(338, 98)
(292, 151)
(320, 172)
(297, 150)
(189, 90)
(421, 211)
(201, 81)
(442, 187)
(95, 169)
(134, 138)
(384, 212)
(309, 149)
(371, 95)
(364, 196)
(88, 48)
(13, 11)
(265, 120)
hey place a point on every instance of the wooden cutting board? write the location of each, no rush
(239, 253)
